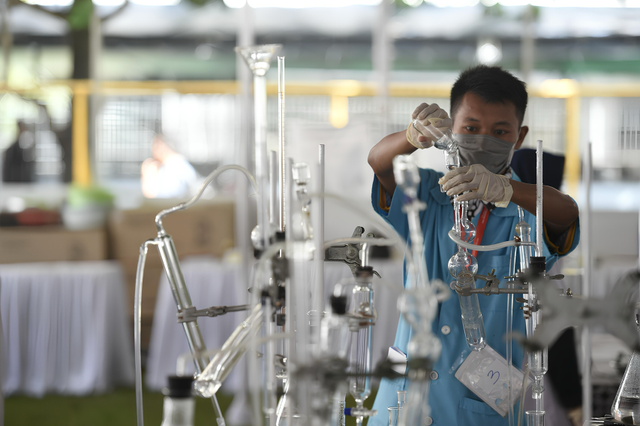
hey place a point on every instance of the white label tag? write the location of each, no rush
(399, 359)
(486, 373)
(496, 375)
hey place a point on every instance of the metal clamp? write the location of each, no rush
(191, 313)
(349, 253)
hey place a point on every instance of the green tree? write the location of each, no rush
(78, 18)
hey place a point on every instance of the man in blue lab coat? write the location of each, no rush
(487, 110)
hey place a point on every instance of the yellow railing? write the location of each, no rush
(339, 91)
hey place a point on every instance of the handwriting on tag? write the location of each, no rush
(492, 376)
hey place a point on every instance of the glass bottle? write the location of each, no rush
(179, 405)
(626, 405)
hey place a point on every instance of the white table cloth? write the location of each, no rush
(65, 328)
(212, 283)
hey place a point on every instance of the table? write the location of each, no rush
(212, 282)
(65, 327)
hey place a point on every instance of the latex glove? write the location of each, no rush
(483, 185)
(575, 415)
(428, 124)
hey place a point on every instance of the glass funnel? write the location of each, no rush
(258, 58)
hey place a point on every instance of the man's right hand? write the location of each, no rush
(428, 124)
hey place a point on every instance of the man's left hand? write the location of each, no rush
(481, 183)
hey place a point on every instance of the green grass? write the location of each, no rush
(117, 408)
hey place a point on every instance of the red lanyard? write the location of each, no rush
(482, 224)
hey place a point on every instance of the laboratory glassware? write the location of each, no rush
(418, 303)
(179, 405)
(394, 415)
(258, 59)
(472, 321)
(334, 343)
(301, 226)
(362, 318)
(626, 405)
(443, 139)
(535, 418)
(402, 397)
(210, 380)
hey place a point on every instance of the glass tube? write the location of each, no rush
(402, 397)
(418, 303)
(626, 405)
(363, 315)
(334, 343)
(208, 383)
(394, 415)
(417, 408)
(472, 321)
(524, 232)
(535, 418)
(258, 59)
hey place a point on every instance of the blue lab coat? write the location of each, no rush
(450, 401)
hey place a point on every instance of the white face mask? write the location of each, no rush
(493, 153)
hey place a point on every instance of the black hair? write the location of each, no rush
(492, 85)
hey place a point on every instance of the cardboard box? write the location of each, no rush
(51, 244)
(205, 228)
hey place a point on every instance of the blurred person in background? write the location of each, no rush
(18, 163)
(166, 174)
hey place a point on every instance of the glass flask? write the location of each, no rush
(626, 405)
(472, 321)
(462, 263)
(462, 226)
(443, 139)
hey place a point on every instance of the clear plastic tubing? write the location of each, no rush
(212, 176)
(394, 238)
(510, 243)
(472, 321)
(137, 315)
